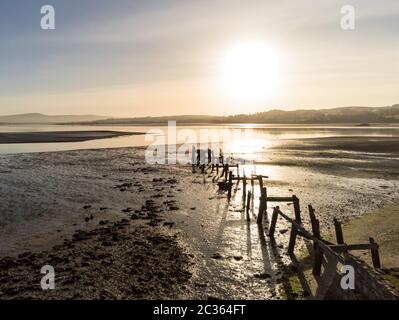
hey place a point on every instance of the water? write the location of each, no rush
(253, 137)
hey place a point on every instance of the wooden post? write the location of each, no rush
(317, 251)
(260, 184)
(209, 156)
(213, 157)
(230, 185)
(297, 209)
(317, 261)
(375, 256)
(315, 225)
(252, 182)
(318, 254)
(262, 201)
(238, 170)
(291, 244)
(193, 158)
(248, 205)
(212, 167)
(338, 232)
(244, 189)
(198, 157)
(217, 168)
(273, 222)
(226, 171)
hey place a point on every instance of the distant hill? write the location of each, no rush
(358, 115)
(42, 118)
(335, 115)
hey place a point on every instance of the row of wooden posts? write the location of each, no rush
(321, 247)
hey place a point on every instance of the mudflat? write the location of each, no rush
(59, 136)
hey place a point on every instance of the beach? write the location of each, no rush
(115, 227)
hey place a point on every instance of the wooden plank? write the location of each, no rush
(257, 176)
(279, 199)
(351, 247)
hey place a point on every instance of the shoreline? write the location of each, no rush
(59, 136)
(88, 201)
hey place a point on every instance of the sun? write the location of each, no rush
(250, 72)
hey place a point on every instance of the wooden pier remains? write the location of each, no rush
(230, 174)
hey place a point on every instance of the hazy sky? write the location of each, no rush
(151, 57)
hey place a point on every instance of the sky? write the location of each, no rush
(165, 57)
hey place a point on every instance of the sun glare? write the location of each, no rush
(250, 72)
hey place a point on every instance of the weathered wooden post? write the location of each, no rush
(338, 232)
(226, 171)
(198, 157)
(248, 205)
(209, 156)
(217, 168)
(297, 209)
(294, 231)
(262, 201)
(317, 251)
(193, 158)
(273, 223)
(375, 256)
(244, 189)
(221, 157)
(260, 179)
(293, 236)
(230, 185)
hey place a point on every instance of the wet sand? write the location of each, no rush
(59, 136)
(83, 210)
(359, 144)
(383, 225)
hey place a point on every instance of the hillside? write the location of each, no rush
(358, 115)
(336, 115)
(42, 118)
